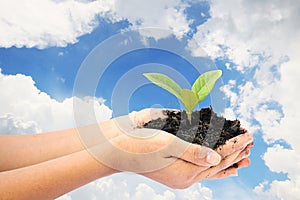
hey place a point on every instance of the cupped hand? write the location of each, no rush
(183, 172)
(164, 157)
(176, 163)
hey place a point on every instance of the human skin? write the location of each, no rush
(49, 165)
(36, 148)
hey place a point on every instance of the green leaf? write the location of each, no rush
(165, 82)
(205, 82)
(189, 99)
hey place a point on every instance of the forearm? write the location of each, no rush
(23, 150)
(51, 179)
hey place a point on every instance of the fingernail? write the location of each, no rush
(213, 158)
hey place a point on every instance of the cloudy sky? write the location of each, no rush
(45, 46)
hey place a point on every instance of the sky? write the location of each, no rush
(49, 49)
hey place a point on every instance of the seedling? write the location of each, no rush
(190, 98)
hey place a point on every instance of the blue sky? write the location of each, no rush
(42, 57)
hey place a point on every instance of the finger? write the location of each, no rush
(234, 144)
(243, 163)
(244, 154)
(124, 124)
(239, 157)
(225, 163)
(251, 145)
(143, 116)
(136, 119)
(228, 161)
(216, 171)
(202, 156)
(193, 153)
(233, 160)
(240, 161)
(225, 173)
(231, 171)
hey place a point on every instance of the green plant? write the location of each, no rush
(190, 98)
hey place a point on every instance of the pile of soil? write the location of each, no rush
(205, 128)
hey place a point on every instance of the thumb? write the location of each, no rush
(201, 155)
(193, 153)
(143, 116)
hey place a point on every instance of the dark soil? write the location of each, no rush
(206, 128)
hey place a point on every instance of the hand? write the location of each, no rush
(235, 151)
(164, 157)
(182, 173)
(158, 158)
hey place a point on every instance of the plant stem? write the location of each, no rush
(189, 115)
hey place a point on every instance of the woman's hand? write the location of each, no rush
(176, 163)
(165, 158)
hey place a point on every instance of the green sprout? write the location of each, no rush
(190, 98)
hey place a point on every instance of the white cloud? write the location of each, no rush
(233, 188)
(278, 153)
(23, 107)
(45, 23)
(195, 192)
(261, 37)
(287, 189)
(166, 15)
(131, 187)
(243, 31)
(37, 23)
(13, 125)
